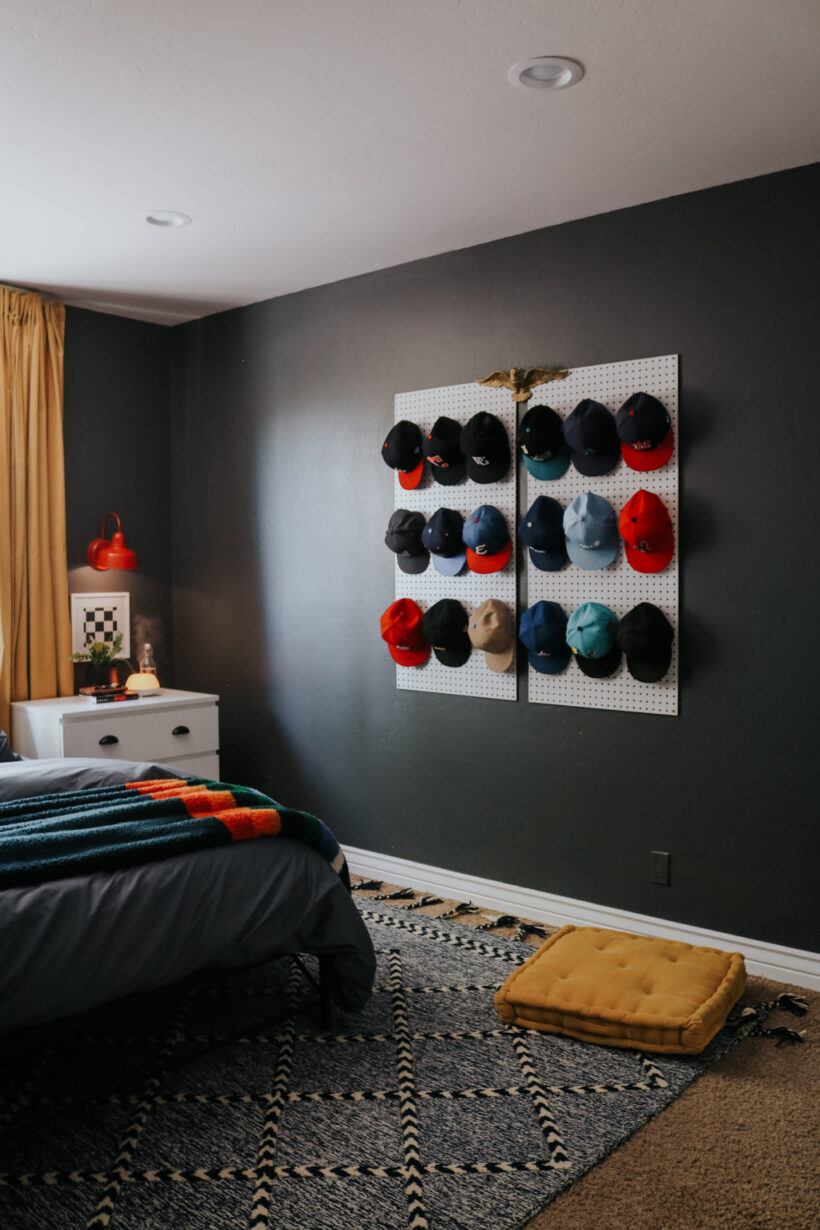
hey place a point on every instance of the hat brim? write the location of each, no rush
(454, 656)
(409, 657)
(500, 662)
(593, 465)
(489, 563)
(552, 665)
(448, 476)
(488, 474)
(592, 558)
(648, 670)
(548, 561)
(412, 564)
(410, 479)
(449, 565)
(645, 459)
(556, 467)
(600, 668)
(651, 561)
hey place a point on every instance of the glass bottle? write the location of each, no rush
(148, 664)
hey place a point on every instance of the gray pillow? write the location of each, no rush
(31, 777)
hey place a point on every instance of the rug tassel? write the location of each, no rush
(368, 886)
(795, 1004)
(782, 1034)
(422, 901)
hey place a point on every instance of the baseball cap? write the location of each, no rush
(487, 539)
(590, 433)
(591, 531)
(402, 452)
(541, 440)
(402, 629)
(646, 529)
(404, 537)
(543, 629)
(645, 431)
(645, 635)
(442, 538)
(485, 445)
(442, 450)
(492, 628)
(542, 530)
(591, 630)
(445, 627)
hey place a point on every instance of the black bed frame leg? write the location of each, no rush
(325, 1011)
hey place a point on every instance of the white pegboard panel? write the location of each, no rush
(619, 587)
(459, 402)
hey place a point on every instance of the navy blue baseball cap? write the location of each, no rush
(542, 530)
(590, 433)
(441, 448)
(541, 440)
(487, 539)
(543, 629)
(442, 538)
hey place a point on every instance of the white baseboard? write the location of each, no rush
(790, 965)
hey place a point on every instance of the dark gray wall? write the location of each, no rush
(280, 573)
(117, 428)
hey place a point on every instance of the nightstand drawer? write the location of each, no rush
(154, 734)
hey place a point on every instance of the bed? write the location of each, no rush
(71, 944)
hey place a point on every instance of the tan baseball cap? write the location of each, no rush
(492, 628)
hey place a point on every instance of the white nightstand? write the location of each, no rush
(178, 728)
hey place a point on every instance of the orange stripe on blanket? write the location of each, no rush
(157, 786)
(198, 800)
(245, 822)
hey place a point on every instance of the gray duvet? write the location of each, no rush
(71, 944)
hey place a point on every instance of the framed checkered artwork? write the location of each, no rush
(101, 616)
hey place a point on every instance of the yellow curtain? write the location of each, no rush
(35, 632)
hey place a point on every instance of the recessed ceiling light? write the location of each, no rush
(167, 217)
(546, 73)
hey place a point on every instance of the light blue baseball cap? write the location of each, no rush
(591, 632)
(591, 531)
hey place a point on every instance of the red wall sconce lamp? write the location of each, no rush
(103, 554)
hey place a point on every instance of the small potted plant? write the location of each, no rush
(101, 657)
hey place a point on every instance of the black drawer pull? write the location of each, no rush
(107, 740)
(180, 730)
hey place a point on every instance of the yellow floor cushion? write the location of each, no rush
(624, 990)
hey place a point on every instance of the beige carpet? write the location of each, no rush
(738, 1150)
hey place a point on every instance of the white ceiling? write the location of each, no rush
(311, 140)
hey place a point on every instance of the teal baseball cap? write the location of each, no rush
(591, 632)
(541, 440)
(591, 531)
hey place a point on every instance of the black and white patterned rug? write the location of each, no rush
(200, 1110)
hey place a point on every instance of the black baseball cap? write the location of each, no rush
(542, 530)
(485, 445)
(644, 429)
(402, 452)
(442, 449)
(404, 537)
(442, 536)
(645, 635)
(542, 443)
(590, 433)
(445, 628)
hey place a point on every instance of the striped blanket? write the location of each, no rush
(52, 836)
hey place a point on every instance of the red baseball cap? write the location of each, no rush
(646, 529)
(402, 630)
